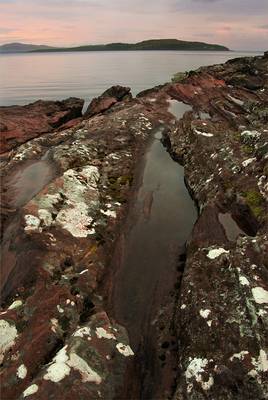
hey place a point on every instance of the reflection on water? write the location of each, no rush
(204, 115)
(161, 220)
(231, 228)
(55, 76)
(28, 181)
(178, 108)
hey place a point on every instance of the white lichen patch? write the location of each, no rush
(261, 313)
(60, 310)
(183, 306)
(260, 365)
(114, 156)
(32, 223)
(206, 385)
(195, 367)
(263, 186)
(210, 178)
(8, 334)
(251, 134)
(15, 304)
(54, 324)
(194, 371)
(109, 213)
(235, 100)
(15, 356)
(27, 150)
(124, 349)
(51, 237)
(45, 217)
(102, 333)
(214, 253)
(22, 372)
(206, 134)
(260, 295)
(30, 390)
(245, 163)
(243, 281)
(49, 201)
(75, 220)
(86, 372)
(81, 332)
(75, 203)
(58, 370)
(263, 361)
(204, 313)
(239, 356)
(83, 272)
(75, 215)
(63, 363)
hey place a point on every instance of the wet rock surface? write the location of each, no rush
(221, 317)
(56, 250)
(60, 338)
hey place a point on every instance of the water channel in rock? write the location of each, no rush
(158, 225)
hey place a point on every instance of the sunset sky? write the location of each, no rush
(238, 24)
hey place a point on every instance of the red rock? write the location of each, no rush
(108, 98)
(70, 124)
(119, 92)
(99, 105)
(21, 123)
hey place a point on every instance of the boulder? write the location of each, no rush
(22, 123)
(108, 98)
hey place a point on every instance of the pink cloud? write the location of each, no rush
(74, 22)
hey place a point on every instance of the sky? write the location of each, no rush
(237, 24)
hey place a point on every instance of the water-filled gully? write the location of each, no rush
(159, 223)
(231, 228)
(29, 180)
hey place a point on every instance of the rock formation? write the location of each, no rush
(110, 97)
(18, 124)
(59, 338)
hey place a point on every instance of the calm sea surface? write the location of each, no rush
(25, 78)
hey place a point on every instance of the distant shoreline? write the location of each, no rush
(147, 45)
(123, 51)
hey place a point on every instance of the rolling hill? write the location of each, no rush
(154, 44)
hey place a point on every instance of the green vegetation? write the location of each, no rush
(255, 202)
(178, 77)
(247, 149)
(161, 44)
(117, 186)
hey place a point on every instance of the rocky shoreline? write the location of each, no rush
(60, 339)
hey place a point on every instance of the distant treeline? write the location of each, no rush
(162, 44)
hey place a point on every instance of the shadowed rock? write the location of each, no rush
(110, 97)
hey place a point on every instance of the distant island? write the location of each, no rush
(155, 44)
(22, 48)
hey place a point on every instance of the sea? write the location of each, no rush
(27, 77)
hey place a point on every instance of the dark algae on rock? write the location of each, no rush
(105, 294)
